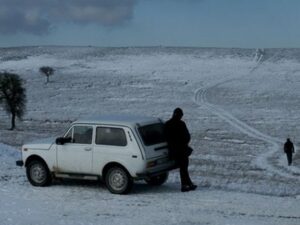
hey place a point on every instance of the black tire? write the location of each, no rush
(118, 180)
(157, 180)
(38, 173)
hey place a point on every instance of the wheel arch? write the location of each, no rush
(113, 164)
(35, 157)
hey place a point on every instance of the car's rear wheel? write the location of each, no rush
(38, 173)
(157, 180)
(118, 180)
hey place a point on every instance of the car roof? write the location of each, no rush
(123, 120)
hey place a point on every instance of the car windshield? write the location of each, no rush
(152, 134)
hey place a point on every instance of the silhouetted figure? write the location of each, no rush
(289, 150)
(260, 52)
(178, 138)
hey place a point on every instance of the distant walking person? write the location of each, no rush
(178, 138)
(289, 150)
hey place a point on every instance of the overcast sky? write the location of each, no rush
(200, 23)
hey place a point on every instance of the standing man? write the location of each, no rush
(289, 150)
(178, 138)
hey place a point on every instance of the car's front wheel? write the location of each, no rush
(38, 173)
(157, 180)
(118, 181)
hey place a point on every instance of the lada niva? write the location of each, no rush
(116, 149)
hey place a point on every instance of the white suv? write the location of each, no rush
(117, 149)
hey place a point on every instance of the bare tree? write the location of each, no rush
(12, 96)
(47, 71)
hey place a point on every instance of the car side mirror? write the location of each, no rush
(63, 140)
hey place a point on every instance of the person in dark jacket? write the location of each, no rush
(178, 138)
(289, 150)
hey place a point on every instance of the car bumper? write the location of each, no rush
(148, 174)
(19, 163)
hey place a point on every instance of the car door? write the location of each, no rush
(114, 144)
(76, 156)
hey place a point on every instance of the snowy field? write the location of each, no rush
(240, 107)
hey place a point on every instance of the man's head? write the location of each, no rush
(178, 114)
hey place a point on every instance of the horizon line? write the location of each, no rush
(140, 46)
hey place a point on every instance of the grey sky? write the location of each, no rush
(201, 23)
(37, 16)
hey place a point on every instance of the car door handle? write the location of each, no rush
(88, 149)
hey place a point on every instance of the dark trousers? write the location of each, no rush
(184, 173)
(289, 156)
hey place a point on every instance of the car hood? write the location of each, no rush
(43, 144)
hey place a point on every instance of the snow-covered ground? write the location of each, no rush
(239, 107)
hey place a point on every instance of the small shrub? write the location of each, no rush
(47, 71)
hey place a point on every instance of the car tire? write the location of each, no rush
(38, 173)
(118, 180)
(157, 180)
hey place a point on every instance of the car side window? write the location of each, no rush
(110, 136)
(69, 134)
(81, 134)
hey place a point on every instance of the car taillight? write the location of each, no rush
(151, 164)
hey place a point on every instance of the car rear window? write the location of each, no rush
(110, 136)
(152, 134)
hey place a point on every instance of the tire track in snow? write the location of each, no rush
(200, 98)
